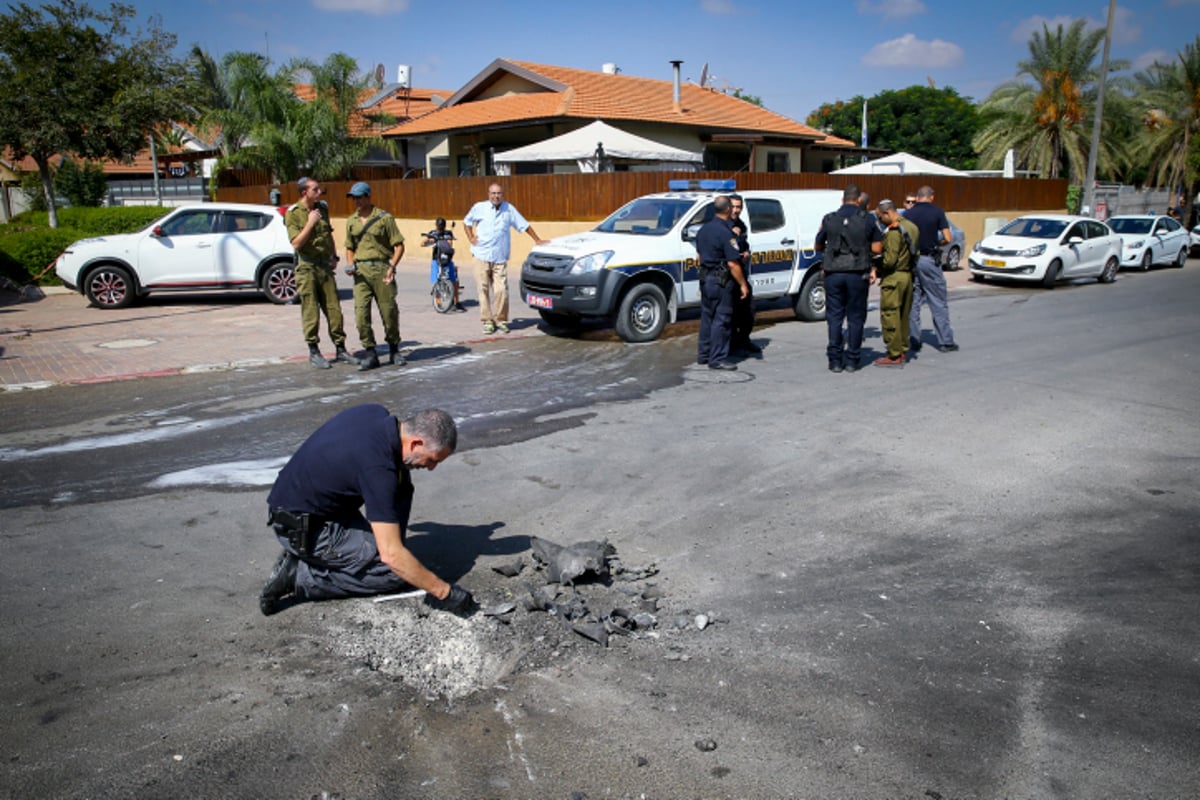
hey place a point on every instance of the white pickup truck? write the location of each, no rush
(638, 267)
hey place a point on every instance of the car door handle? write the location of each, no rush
(787, 242)
(201, 245)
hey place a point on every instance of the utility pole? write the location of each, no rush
(1089, 186)
(154, 167)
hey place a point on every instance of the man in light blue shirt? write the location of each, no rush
(488, 225)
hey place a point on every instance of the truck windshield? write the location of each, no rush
(647, 216)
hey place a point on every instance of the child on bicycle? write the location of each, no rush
(442, 242)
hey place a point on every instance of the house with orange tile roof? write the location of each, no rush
(511, 103)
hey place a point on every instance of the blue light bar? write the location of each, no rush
(706, 185)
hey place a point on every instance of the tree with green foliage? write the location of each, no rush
(1045, 113)
(75, 81)
(937, 124)
(262, 123)
(1169, 97)
(84, 185)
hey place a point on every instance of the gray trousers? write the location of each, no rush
(344, 563)
(931, 288)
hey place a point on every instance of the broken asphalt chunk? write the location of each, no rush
(510, 570)
(565, 564)
(592, 630)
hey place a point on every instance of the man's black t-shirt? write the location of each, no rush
(352, 460)
(930, 221)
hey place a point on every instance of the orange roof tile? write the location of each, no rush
(418, 103)
(600, 95)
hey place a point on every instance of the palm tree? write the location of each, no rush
(1169, 95)
(1043, 113)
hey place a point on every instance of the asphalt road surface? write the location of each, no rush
(975, 577)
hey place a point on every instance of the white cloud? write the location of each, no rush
(909, 51)
(891, 9)
(375, 7)
(1149, 57)
(723, 7)
(1126, 29)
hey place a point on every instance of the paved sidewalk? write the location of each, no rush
(61, 340)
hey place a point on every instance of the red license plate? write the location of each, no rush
(539, 301)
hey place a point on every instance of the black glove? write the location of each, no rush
(458, 601)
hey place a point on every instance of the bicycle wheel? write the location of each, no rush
(443, 295)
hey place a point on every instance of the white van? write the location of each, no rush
(638, 267)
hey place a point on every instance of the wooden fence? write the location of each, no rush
(589, 197)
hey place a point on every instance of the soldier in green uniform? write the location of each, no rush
(316, 259)
(895, 273)
(374, 246)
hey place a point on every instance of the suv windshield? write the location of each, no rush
(646, 216)
(1034, 228)
(1130, 225)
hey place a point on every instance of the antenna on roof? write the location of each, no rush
(704, 75)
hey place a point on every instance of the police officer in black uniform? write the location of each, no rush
(721, 283)
(743, 308)
(849, 238)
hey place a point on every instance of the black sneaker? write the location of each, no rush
(947, 348)
(835, 366)
(724, 365)
(850, 367)
(281, 583)
(914, 344)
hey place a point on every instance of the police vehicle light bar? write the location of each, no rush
(706, 185)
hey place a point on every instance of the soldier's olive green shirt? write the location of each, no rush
(319, 247)
(896, 254)
(380, 240)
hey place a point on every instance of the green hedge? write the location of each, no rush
(95, 221)
(28, 245)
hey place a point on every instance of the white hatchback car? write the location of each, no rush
(1151, 239)
(212, 246)
(1047, 248)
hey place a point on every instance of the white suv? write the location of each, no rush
(194, 248)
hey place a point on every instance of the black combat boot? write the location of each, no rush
(281, 583)
(316, 359)
(369, 361)
(394, 356)
(343, 356)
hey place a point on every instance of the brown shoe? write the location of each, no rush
(888, 361)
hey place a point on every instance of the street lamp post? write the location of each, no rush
(1089, 186)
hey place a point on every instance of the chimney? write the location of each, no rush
(609, 68)
(675, 97)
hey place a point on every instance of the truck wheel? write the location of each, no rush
(810, 303)
(643, 314)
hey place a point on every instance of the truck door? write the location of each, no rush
(772, 246)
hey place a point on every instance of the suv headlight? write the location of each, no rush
(591, 263)
(1030, 252)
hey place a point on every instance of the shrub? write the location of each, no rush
(82, 185)
(95, 221)
(25, 254)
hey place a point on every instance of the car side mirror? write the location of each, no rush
(158, 231)
(1075, 240)
(691, 232)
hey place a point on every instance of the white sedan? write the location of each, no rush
(1151, 239)
(1195, 235)
(1046, 248)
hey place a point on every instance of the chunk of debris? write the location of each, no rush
(510, 570)
(564, 564)
(499, 610)
(706, 745)
(592, 630)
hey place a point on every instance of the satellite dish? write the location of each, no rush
(704, 76)
(379, 74)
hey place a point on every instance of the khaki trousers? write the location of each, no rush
(895, 305)
(492, 277)
(318, 292)
(368, 286)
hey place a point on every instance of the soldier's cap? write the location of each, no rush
(360, 189)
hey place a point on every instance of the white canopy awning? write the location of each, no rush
(900, 164)
(587, 145)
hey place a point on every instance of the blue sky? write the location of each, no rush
(794, 54)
